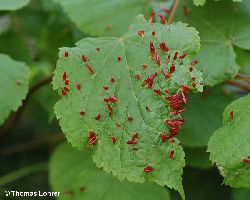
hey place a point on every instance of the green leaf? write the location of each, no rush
(135, 100)
(197, 158)
(104, 18)
(199, 2)
(202, 2)
(240, 194)
(14, 80)
(219, 32)
(13, 4)
(79, 172)
(243, 59)
(229, 144)
(203, 116)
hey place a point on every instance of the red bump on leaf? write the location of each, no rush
(175, 122)
(157, 58)
(232, 115)
(98, 49)
(145, 66)
(66, 54)
(174, 131)
(171, 154)
(148, 169)
(112, 80)
(185, 88)
(163, 19)
(157, 92)
(113, 99)
(151, 17)
(172, 140)
(82, 113)
(193, 78)
(64, 76)
(163, 47)
(177, 111)
(152, 48)
(164, 137)
(92, 138)
(119, 58)
(91, 71)
(193, 84)
(183, 56)
(105, 87)
(113, 139)
(66, 82)
(153, 33)
(110, 110)
(172, 69)
(247, 161)
(98, 116)
(138, 76)
(166, 74)
(133, 139)
(175, 55)
(190, 69)
(66, 89)
(141, 32)
(194, 62)
(78, 86)
(131, 142)
(106, 100)
(84, 59)
(130, 119)
(64, 92)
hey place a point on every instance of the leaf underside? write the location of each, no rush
(139, 113)
(14, 80)
(229, 146)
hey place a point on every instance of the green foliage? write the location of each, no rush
(133, 99)
(240, 194)
(12, 4)
(14, 81)
(229, 144)
(88, 182)
(203, 116)
(202, 2)
(197, 158)
(219, 32)
(104, 18)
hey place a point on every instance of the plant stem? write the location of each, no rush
(22, 172)
(243, 77)
(173, 10)
(242, 85)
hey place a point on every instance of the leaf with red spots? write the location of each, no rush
(229, 146)
(14, 85)
(140, 106)
(83, 180)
